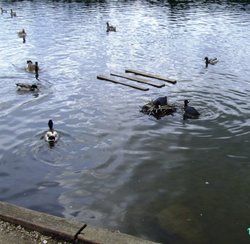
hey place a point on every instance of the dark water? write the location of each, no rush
(164, 180)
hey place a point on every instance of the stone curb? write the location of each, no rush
(60, 228)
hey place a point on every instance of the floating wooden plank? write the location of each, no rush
(150, 75)
(138, 80)
(102, 77)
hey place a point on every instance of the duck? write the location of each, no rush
(210, 61)
(32, 67)
(22, 33)
(110, 27)
(51, 136)
(160, 101)
(26, 87)
(12, 13)
(3, 10)
(190, 112)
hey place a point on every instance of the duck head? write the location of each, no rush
(186, 102)
(50, 124)
(206, 61)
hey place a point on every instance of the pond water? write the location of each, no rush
(167, 180)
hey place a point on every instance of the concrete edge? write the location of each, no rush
(63, 229)
(43, 223)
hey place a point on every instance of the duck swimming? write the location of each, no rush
(110, 27)
(12, 13)
(32, 67)
(160, 101)
(210, 61)
(3, 10)
(22, 33)
(190, 112)
(26, 87)
(51, 136)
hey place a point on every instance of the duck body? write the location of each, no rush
(51, 136)
(110, 27)
(12, 13)
(3, 10)
(26, 87)
(22, 33)
(160, 101)
(32, 67)
(210, 61)
(190, 112)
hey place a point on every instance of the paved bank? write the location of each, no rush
(21, 225)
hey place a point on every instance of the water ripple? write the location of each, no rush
(106, 144)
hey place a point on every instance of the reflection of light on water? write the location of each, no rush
(113, 159)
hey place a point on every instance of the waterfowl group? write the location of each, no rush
(210, 61)
(160, 108)
(110, 27)
(51, 136)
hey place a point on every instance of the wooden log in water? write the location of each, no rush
(102, 77)
(150, 75)
(138, 80)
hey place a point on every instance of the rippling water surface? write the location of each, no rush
(164, 180)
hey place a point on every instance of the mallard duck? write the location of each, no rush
(3, 10)
(190, 112)
(12, 13)
(51, 136)
(22, 33)
(210, 61)
(110, 27)
(32, 67)
(26, 87)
